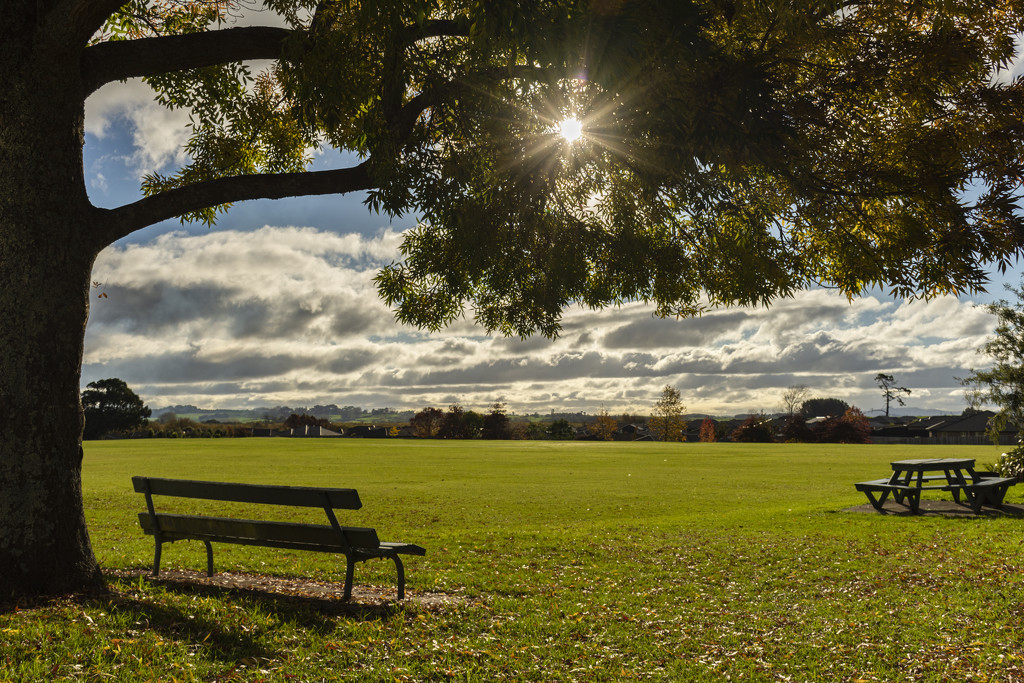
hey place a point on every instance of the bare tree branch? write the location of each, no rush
(119, 59)
(123, 221)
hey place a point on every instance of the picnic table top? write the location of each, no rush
(932, 464)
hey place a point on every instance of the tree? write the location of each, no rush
(794, 397)
(605, 426)
(707, 431)
(535, 431)
(734, 162)
(754, 429)
(110, 406)
(850, 427)
(667, 420)
(1002, 385)
(824, 407)
(427, 423)
(890, 391)
(305, 420)
(795, 429)
(561, 430)
(496, 424)
(458, 423)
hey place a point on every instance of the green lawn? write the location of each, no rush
(563, 561)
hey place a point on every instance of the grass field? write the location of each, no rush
(560, 561)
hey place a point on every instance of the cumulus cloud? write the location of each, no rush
(290, 315)
(157, 133)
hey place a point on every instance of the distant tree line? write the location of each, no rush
(114, 410)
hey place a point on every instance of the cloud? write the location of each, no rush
(157, 133)
(290, 315)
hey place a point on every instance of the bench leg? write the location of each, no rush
(156, 558)
(350, 570)
(401, 576)
(209, 558)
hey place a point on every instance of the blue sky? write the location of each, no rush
(275, 305)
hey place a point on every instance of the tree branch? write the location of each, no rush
(120, 59)
(123, 221)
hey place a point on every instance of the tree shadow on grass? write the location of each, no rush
(164, 606)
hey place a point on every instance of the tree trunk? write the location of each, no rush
(46, 256)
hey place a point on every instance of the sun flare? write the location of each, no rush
(571, 129)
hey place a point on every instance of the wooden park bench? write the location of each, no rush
(358, 544)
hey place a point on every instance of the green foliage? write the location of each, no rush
(732, 153)
(768, 149)
(496, 424)
(1003, 383)
(824, 407)
(458, 423)
(1011, 463)
(110, 406)
(562, 430)
(427, 422)
(305, 420)
(667, 421)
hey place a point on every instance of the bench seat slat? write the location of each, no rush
(254, 531)
(993, 481)
(302, 496)
(404, 548)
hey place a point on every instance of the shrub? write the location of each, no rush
(852, 427)
(796, 429)
(1011, 463)
(755, 429)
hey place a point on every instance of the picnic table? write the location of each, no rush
(910, 478)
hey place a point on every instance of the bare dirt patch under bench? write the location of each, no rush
(302, 589)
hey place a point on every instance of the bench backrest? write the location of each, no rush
(299, 496)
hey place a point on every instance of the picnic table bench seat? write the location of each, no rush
(358, 544)
(883, 487)
(989, 490)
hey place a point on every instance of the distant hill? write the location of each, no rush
(280, 413)
(911, 411)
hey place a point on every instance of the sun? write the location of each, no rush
(571, 129)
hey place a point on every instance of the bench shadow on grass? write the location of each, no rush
(315, 613)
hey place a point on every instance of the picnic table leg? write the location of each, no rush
(957, 478)
(209, 558)
(896, 495)
(915, 501)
